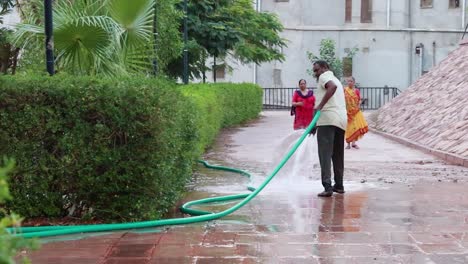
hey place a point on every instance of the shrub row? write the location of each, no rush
(119, 149)
(223, 105)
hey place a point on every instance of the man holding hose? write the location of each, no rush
(330, 128)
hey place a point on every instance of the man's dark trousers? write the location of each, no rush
(331, 148)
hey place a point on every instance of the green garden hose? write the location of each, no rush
(197, 215)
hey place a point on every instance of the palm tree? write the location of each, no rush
(8, 53)
(110, 37)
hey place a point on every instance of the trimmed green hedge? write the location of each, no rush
(110, 149)
(223, 105)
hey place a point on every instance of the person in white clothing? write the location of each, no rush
(330, 128)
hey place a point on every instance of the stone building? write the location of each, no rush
(398, 40)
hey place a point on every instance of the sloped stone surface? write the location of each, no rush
(433, 112)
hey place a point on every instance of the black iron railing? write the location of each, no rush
(372, 97)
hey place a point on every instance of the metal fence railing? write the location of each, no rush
(372, 97)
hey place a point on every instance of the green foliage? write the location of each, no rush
(5, 6)
(112, 149)
(169, 43)
(221, 28)
(351, 52)
(223, 105)
(119, 149)
(8, 53)
(328, 54)
(9, 245)
(110, 37)
(260, 39)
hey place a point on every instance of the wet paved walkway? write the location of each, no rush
(401, 206)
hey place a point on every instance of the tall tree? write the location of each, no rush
(8, 53)
(110, 37)
(229, 27)
(259, 32)
(327, 52)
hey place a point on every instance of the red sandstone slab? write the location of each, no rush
(170, 250)
(172, 260)
(132, 250)
(126, 261)
(226, 260)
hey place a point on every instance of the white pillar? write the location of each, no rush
(463, 9)
(389, 12)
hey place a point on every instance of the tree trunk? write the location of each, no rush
(155, 38)
(5, 54)
(14, 61)
(347, 67)
(214, 69)
(204, 67)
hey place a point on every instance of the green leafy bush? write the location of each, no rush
(10, 245)
(112, 149)
(223, 105)
(120, 149)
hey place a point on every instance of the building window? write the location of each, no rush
(426, 3)
(454, 3)
(349, 10)
(220, 72)
(277, 80)
(366, 11)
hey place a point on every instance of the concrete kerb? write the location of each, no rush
(445, 156)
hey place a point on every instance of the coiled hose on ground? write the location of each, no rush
(197, 215)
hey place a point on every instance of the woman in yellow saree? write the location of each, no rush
(357, 125)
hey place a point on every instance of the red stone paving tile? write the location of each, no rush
(382, 228)
(250, 250)
(219, 238)
(169, 251)
(450, 228)
(417, 259)
(129, 250)
(65, 260)
(132, 238)
(399, 249)
(189, 229)
(335, 260)
(251, 261)
(126, 261)
(353, 237)
(362, 250)
(71, 245)
(237, 228)
(449, 259)
(91, 241)
(339, 228)
(288, 250)
(306, 260)
(226, 260)
(327, 250)
(248, 239)
(433, 238)
(442, 248)
(174, 260)
(460, 236)
(182, 238)
(71, 252)
(202, 251)
(295, 238)
(376, 260)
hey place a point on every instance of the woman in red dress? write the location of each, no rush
(303, 103)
